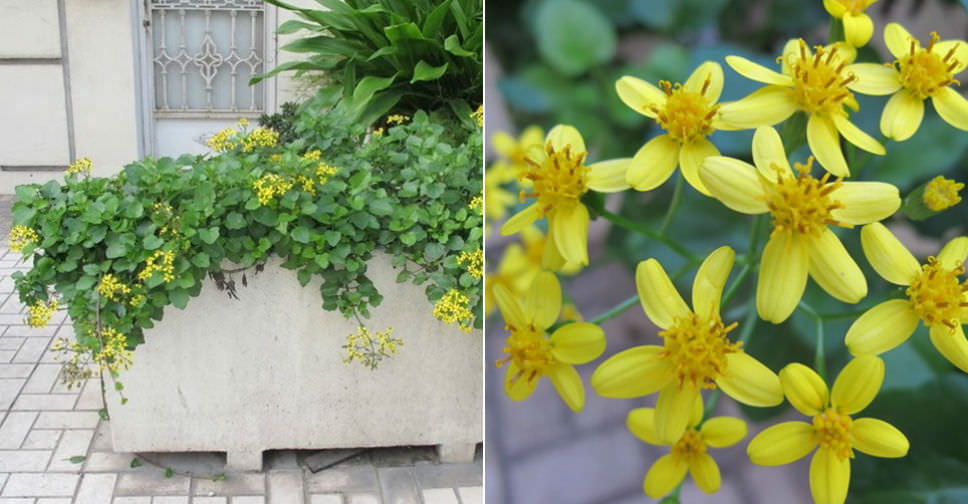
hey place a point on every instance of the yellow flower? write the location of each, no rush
(478, 116)
(802, 208)
(110, 287)
(858, 26)
(688, 452)
(260, 137)
(40, 313)
(832, 429)
(162, 261)
(270, 185)
(816, 83)
(81, 166)
(515, 151)
(935, 296)
(533, 354)
(697, 352)
(497, 199)
(397, 119)
(688, 112)
(324, 171)
(941, 193)
(473, 262)
(224, 140)
(560, 179)
(917, 74)
(453, 308)
(20, 237)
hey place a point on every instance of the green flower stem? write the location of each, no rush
(615, 310)
(819, 358)
(651, 233)
(752, 260)
(673, 205)
(749, 323)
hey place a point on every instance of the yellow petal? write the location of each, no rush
(705, 473)
(504, 144)
(768, 153)
(653, 163)
(749, 381)
(902, 115)
(791, 54)
(873, 78)
(570, 231)
(636, 372)
(783, 277)
(858, 29)
(720, 432)
(509, 306)
(805, 389)
(691, 156)
(609, 176)
(517, 386)
(829, 477)
(521, 220)
(757, 72)
(898, 40)
(735, 183)
(782, 443)
(562, 136)
(697, 412)
(960, 53)
(763, 107)
(882, 328)
(711, 71)
(641, 423)
(890, 259)
(878, 438)
(532, 135)
(824, 142)
(673, 409)
(857, 384)
(707, 288)
(568, 384)
(640, 95)
(577, 343)
(865, 202)
(543, 302)
(857, 136)
(659, 297)
(952, 344)
(664, 475)
(954, 253)
(834, 270)
(835, 8)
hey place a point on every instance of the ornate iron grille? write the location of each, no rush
(204, 52)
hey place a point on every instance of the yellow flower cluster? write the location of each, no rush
(270, 185)
(111, 288)
(81, 166)
(370, 348)
(260, 137)
(161, 261)
(40, 313)
(942, 193)
(473, 262)
(324, 171)
(477, 204)
(306, 183)
(114, 355)
(230, 138)
(313, 155)
(478, 115)
(397, 119)
(453, 309)
(224, 140)
(20, 237)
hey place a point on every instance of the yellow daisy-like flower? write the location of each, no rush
(832, 430)
(515, 150)
(688, 112)
(697, 352)
(560, 178)
(688, 453)
(936, 296)
(497, 199)
(803, 208)
(813, 82)
(533, 354)
(858, 26)
(917, 74)
(941, 193)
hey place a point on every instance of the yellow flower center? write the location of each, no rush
(690, 446)
(697, 347)
(942, 193)
(686, 115)
(833, 432)
(528, 347)
(819, 83)
(801, 204)
(559, 181)
(923, 71)
(936, 295)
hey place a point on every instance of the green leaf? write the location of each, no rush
(135, 463)
(304, 276)
(301, 234)
(235, 220)
(116, 247)
(381, 207)
(452, 45)
(434, 251)
(333, 237)
(573, 36)
(85, 282)
(169, 472)
(201, 260)
(179, 298)
(152, 242)
(424, 71)
(322, 260)
(370, 85)
(77, 459)
(208, 235)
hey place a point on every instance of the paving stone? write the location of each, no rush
(343, 479)
(90, 398)
(251, 499)
(42, 379)
(11, 343)
(209, 500)
(285, 487)
(45, 402)
(20, 370)
(365, 498)
(73, 443)
(233, 484)
(448, 475)
(325, 499)
(15, 428)
(471, 495)
(398, 486)
(151, 483)
(31, 350)
(41, 439)
(102, 438)
(31, 332)
(7, 355)
(67, 420)
(24, 461)
(131, 500)
(9, 389)
(440, 496)
(9, 319)
(40, 485)
(3, 479)
(109, 462)
(170, 500)
(21, 500)
(58, 500)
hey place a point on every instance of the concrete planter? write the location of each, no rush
(266, 372)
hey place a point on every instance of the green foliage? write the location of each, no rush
(282, 122)
(404, 192)
(392, 56)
